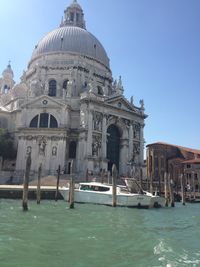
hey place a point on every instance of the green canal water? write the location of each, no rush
(51, 235)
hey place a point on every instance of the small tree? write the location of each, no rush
(7, 150)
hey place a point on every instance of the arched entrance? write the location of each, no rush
(113, 146)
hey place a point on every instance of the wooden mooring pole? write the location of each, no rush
(141, 177)
(193, 185)
(102, 176)
(26, 182)
(39, 183)
(57, 183)
(71, 188)
(182, 179)
(108, 176)
(87, 174)
(166, 189)
(114, 189)
(151, 184)
(171, 191)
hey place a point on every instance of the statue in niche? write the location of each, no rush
(96, 144)
(136, 149)
(42, 146)
(28, 150)
(97, 121)
(95, 149)
(54, 151)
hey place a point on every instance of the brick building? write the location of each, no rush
(175, 160)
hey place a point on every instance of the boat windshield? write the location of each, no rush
(94, 188)
(133, 186)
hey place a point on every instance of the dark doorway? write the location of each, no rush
(72, 150)
(113, 146)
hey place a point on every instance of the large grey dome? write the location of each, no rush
(72, 39)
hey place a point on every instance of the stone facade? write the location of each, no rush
(67, 106)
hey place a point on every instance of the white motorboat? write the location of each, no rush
(133, 187)
(99, 193)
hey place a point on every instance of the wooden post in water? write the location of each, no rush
(39, 183)
(151, 184)
(182, 178)
(71, 188)
(87, 174)
(57, 183)
(193, 186)
(171, 191)
(141, 177)
(114, 189)
(26, 182)
(108, 173)
(102, 178)
(166, 189)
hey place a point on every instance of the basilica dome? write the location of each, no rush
(72, 39)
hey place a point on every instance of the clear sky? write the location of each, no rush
(153, 44)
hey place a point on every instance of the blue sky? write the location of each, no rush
(153, 44)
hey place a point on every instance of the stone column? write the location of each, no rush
(89, 136)
(123, 156)
(81, 153)
(104, 143)
(141, 143)
(130, 149)
(67, 117)
(89, 140)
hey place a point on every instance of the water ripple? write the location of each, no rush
(50, 234)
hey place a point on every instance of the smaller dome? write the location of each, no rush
(8, 71)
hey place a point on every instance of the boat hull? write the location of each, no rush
(123, 200)
(157, 202)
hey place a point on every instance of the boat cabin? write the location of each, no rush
(94, 187)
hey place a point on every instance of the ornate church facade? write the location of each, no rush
(67, 106)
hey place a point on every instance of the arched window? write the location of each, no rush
(53, 122)
(72, 150)
(44, 120)
(65, 84)
(99, 90)
(52, 88)
(34, 122)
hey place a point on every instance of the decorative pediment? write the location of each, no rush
(121, 103)
(43, 101)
